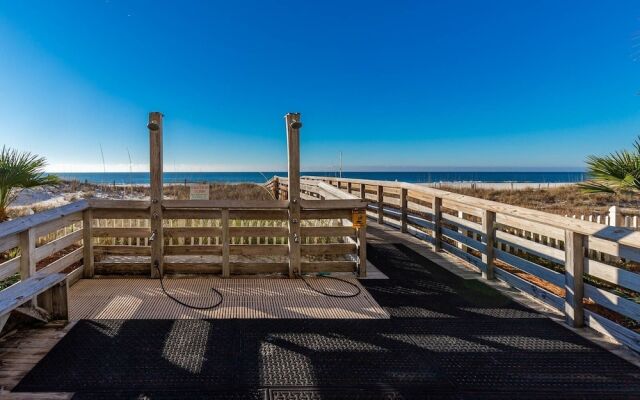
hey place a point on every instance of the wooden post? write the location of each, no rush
(574, 245)
(615, 216)
(362, 251)
(437, 222)
(349, 187)
(28, 257)
(225, 243)
(463, 232)
(363, 191)
(276, 188)
(155, 141)
(293, 126)
(380, 204)
(403, 210)
(87, 243)
(488, 228)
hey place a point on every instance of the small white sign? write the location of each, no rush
(199, 192)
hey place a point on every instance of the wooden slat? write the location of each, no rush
(230, 204)
(191, 214)
(539, 271)
(613, 248)
(251, 268)
(458, 237)
(52, 226)
(470, 258)
(8, 268)
(21, 224)
(18, 294)
(258, 214)
(530, 226)
(259, 250)
(121, 232)
(192, 268)
(529, 246)
(463, 223)
(258, 231)
(192, 232)
(418, 221)
(553, 300)
(120, 204)
(612, 301)
(120, 213)
(617, 276)
(329, 266)
(603, 325)
(322, 249)
(120, 268)
(325, 214)
(327, 231)
(122, 250)
(63, 262)
(9, 242)
(334, 204)
(57, 245)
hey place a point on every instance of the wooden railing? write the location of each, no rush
(107, 237)
(554, 258)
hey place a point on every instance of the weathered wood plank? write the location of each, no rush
(8, 268)
(329, 266)
(612, 301)
(230, 204)
(618, 276)
(54, 246)
(574, 283)
(21, 224)
(18, 294)
(327, 231)
(323, 249)
(192, 232)
(123, 250)
(251, 231)
(121, 232)
(539, 271)
(63, 262)
(553, 300)
(259, 250)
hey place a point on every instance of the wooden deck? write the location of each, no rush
(243, 298)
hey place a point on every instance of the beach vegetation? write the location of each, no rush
(617, 173)
(20, 170)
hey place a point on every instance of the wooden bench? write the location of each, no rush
(51, 290)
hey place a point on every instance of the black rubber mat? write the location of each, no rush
(447, 338)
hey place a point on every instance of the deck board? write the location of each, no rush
(243, 298)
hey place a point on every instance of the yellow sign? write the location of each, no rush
(359, 218)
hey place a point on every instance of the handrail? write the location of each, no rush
(25, 223)
(623, 236)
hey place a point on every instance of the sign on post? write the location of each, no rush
(359, 218)
(199, 192)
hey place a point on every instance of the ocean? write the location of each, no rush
(137, 178)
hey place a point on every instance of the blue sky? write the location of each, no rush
(392, 84)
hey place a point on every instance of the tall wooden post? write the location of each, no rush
(437, 223)
(87, 244)
(574, 278)
(28, 240)
(293, 125)
(363, 191)
(225, 242)
(155, 159)
(276, 188)
(403, 210)
(488, 228)
(380, 204)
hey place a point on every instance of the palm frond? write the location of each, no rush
(19, 170)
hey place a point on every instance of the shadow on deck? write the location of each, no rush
(447, 338)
